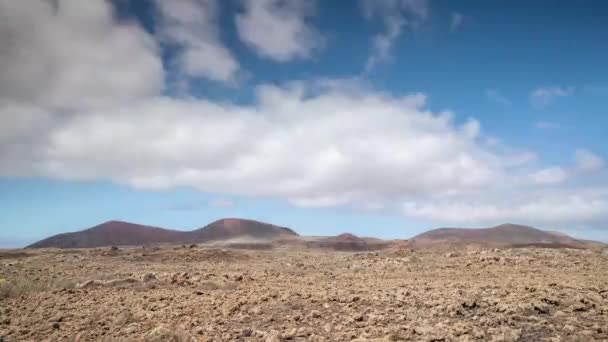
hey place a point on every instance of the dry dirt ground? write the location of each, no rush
(198, 294)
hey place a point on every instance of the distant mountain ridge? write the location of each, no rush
(502, 235)
(348, 242)
(242, 232)
(232, 228)
(119, 233)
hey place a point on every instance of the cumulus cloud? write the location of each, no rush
(280, 29)
(559, 209)
(63, 57)
(552, 175)
(91, 114)
(456, 21)
(542, 97)
(191, 25)
(395, 14)
(349, 146)
(587, 161)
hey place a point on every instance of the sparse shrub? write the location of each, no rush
(162, 334)
(143, 286)
(6, 289)
(19, 287)
(124, 318)
(230, 286)
(66, 284)
(209, 286)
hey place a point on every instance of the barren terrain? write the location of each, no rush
(192, 293)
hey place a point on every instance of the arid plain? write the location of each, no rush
(290, 293)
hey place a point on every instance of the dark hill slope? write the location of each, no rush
(118, 233)
(348, 242)
(113, 233)
(503, 235)
(230, 228)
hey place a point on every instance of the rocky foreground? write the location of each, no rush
(196, 294)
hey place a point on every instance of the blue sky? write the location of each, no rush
(382, 118)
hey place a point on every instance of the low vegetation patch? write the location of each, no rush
(163, 334)
(19, 287)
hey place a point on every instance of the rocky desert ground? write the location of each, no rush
(193, 293)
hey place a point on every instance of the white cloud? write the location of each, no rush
(349, 146)
(192, 25)
(395, 14)
(542, 97)
(63, 57)
(552, 175)
(555, 209)
(586, 161)
(100, 116)
(279, 29)
(471, 128)
(497, 96)
(456, 21)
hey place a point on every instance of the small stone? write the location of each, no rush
(149, 277)
(273, 337)
(292, 333)
(585, 335)
(541, 308)
(255, 310)
(470, 304)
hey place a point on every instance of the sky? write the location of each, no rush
(381, 118)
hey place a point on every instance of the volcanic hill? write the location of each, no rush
(118, 233)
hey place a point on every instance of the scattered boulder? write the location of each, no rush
(92, 283)
(162, 334)
(181, 279)
(311, 296)
(150, 277)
